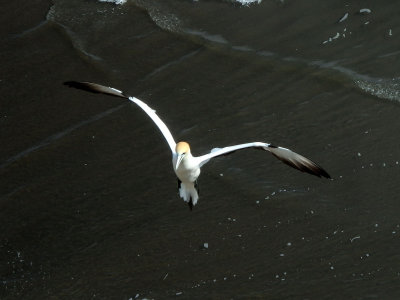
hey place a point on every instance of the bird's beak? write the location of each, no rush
(178, 161)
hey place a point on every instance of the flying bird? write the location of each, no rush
(186, 166)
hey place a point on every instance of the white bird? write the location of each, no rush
(186, 166)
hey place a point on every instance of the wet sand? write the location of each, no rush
(88, 202)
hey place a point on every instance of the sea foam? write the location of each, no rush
(114, 1)
(244, 2)
(247, 2)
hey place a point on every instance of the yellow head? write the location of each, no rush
(182, 147)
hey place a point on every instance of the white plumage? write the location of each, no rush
(186, 166)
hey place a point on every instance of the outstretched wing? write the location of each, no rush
(97, 88)
(289, 157)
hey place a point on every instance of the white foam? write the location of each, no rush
(114, 1)
(247, 2)
(346, 15)
(365, 11)
(381, 88)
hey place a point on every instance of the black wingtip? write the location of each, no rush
(325, 174)
(78, 85)
(297, 161)
(319, 171)
(95, 88)
(315, 169)
(69, 83)
(86, 86)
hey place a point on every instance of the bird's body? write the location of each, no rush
(186, 166)
(187, 170)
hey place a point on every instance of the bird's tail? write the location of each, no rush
(189, 192)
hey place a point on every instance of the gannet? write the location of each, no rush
(185, 165)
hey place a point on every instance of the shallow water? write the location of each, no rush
(88, 201)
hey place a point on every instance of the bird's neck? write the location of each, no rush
(188, 161)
